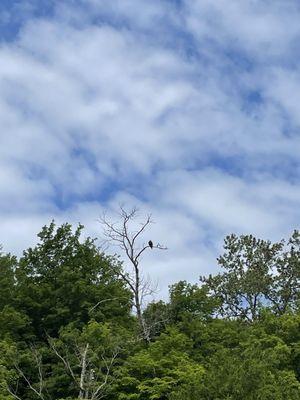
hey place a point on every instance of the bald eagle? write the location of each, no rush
(150, 243)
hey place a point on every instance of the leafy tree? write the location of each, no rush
(87, 359)
(158, 371)
(191, 301)
(8, 374)
(7, 279)
(284, 290)
(13, 324)
(256, 369)
(157, 317)
(287, 328)
(63, 280)
(256, 274)
(67, 332)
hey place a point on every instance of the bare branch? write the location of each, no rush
(64, 360)
(104, 301)
(37, 392)
(13, 394)
(140, 231)
(38, 363)
(95, 394)
(121, 234)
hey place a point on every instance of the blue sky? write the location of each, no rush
(188, 109)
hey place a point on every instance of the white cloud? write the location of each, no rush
(114, 106)
(259, 28)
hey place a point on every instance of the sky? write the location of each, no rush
(187, 109)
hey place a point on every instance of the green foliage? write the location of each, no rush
(255, 369)
(64, 280)
(67, 331)
(7, 279)
(191, 301)
(97, 349)
(13, 323)
(8, 374)
(158, 371)
(157, 318)
(256, 274)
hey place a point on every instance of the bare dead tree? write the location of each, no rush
(92, 380)
(127, 237)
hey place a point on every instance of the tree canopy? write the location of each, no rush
(68, 329)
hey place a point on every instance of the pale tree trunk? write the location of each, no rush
(91, 381)
(82, 389)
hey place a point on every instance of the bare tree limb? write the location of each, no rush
(104, 301)
(122, 234)
(13, 394)
(37, 392)
(64, 360)
(89, 381)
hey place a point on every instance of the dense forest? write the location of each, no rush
(70, 327)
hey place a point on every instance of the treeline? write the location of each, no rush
(67, 329)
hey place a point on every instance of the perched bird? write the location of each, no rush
(150, 243)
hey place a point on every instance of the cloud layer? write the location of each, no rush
(188, 109)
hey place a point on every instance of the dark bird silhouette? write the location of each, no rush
(150, 244)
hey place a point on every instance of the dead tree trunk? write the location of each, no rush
(123, 234)
(90, 379)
